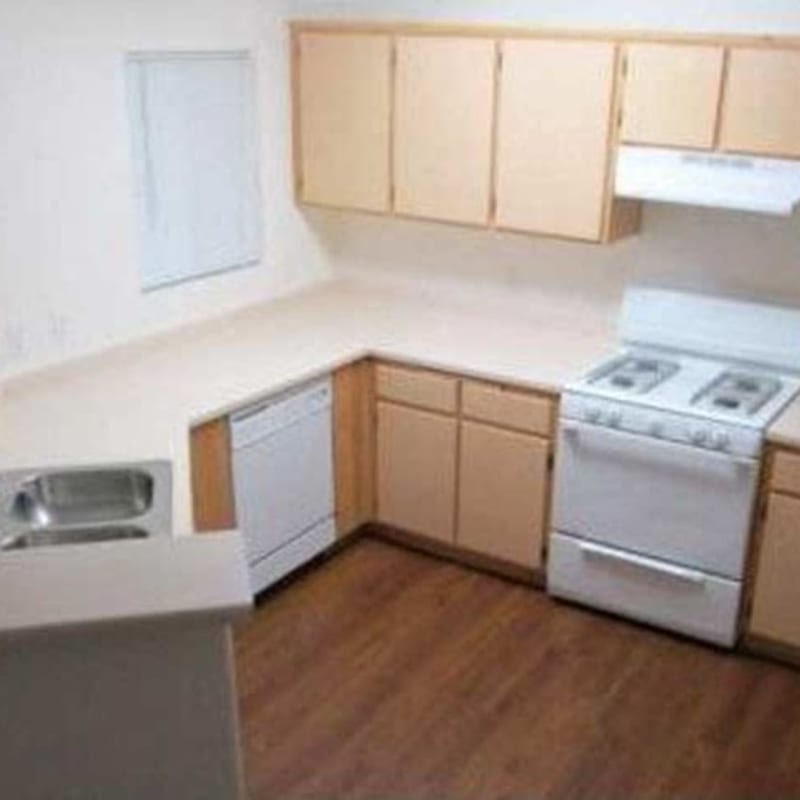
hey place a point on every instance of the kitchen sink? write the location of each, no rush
(67, 536)
(59, 506)
(68, 498)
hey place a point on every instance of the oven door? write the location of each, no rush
(661, 499)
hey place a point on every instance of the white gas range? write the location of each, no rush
(659, 457)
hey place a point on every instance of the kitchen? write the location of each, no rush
(453, 354)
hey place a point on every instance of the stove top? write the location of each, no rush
(740, 393)
(635, 374)
(709, 388)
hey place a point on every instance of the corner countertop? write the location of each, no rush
(150, 580)
(139, 402)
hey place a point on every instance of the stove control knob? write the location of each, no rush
(593, 414)
(614, 419)
(699, 436)
(721, 440)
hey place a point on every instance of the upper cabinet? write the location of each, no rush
(521, 132)
(444, 90)
(343, 119)
(761, 112)
(554, 136)
(672, 95)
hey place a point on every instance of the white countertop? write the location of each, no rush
(162, 578)
(139, 402)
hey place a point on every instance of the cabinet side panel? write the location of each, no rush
(212, 477)
(354, 446)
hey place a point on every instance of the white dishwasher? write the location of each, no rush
(283, 480)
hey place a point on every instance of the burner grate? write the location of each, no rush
(737, 393)
(634, 374)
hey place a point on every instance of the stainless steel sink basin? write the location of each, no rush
(59, 506)
(67, 536)
(68, 498)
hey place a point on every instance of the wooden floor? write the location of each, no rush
(388, 674)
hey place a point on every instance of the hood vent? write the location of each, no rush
(714, 180)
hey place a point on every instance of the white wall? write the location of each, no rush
(69, 279)
(679, 247)
(68, 252)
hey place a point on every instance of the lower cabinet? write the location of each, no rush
(503, 487)
(776, 597)
(417, 470)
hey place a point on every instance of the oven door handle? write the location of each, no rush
(597, 551)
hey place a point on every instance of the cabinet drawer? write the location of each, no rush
(418, 388)
(786, 472)
(490, 403)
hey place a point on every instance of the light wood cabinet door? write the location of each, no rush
(553, 137)
(343, 120)
(672, 95)
(776, 601)
(761, 110)
(417, 471)
(443, 128)
(502, 493)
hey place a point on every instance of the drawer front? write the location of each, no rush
(490, 403)
(652, 591)
(786, 472)
(418, 388)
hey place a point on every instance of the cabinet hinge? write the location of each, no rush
(493, 206)
(499, 60)
(393, 57)
(392, 196)
(551, 462)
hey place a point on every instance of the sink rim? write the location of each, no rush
(32, 507)
(156, 520)
(72, 536)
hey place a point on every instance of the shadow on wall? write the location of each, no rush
(694, 249)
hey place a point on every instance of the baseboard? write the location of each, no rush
(769, 648)
(451, 552)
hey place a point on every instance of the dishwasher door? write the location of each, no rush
(283, 478)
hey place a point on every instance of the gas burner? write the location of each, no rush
(737, 393)
(635, 374)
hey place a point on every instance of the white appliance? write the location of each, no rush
(658, 460)
(717, 180)
(283, 481)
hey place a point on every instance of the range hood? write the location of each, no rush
(715, 180)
